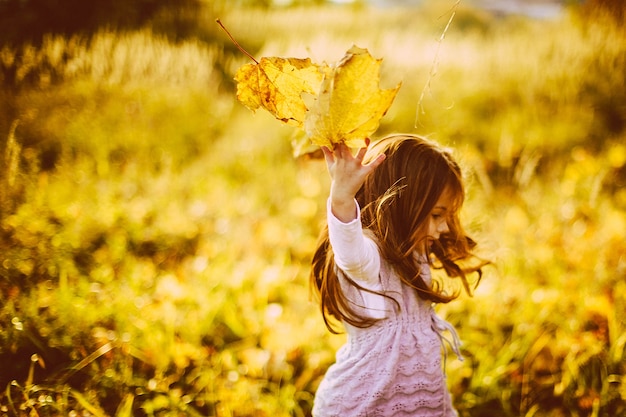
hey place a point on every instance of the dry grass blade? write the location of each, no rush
(433, 68)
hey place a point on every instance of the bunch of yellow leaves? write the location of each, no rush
(331, 103)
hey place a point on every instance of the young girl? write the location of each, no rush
(392, 215)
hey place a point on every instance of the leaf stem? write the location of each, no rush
(219, 22)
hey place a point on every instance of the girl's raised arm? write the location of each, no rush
(347, 173)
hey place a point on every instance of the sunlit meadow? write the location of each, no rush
(155, 235)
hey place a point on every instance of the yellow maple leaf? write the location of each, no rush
(277, 84)
(342, 103)
(350, 103)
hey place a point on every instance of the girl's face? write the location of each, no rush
(438, 218)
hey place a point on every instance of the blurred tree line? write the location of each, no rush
(614, 8)
(28, 20)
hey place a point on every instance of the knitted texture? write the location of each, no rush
(390, 369)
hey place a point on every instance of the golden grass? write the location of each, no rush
(166, 252)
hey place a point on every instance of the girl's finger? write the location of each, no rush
(329, 156)
(376, 161)
(341, 149)
(361, 154)
(362, 151)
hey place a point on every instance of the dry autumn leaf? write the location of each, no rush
(350, 103)
(342, 103)
(277, 84)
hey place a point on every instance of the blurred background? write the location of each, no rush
(156, 236)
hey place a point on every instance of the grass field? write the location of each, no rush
(155, 235)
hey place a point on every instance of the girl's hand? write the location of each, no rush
(348, 173)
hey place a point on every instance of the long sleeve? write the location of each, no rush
(355, 254)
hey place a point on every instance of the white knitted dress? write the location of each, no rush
(393, 368)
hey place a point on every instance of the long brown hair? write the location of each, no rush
(396, 200)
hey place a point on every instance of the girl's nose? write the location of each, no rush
(443, 227)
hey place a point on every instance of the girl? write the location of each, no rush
(392, 214)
